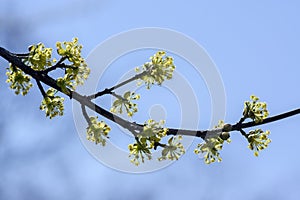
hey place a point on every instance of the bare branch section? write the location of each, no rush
(85, 101)
(85, 115)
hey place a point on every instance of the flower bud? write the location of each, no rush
(224, 135)
(227, 127)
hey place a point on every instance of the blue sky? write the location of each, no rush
(255, 46)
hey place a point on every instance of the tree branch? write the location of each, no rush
(21, 55)
(39, 76)
(83, 100)
(85, 115)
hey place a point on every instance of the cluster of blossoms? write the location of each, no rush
(173, 150)
(153, 132)
(19, 81)
(151, 135)
(146, 140)
(255, 110)
(210, 148)
(160, 68)
(40, 57)
(53, 105)
(258, 140)
(77, 72)
(139, 151)
(97, 131)
(213, 144)
(125, 102)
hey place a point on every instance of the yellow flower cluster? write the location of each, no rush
(53, 105)
(39, 57)
(125, 102)
(173, 150)
(213, 144)
(78, 71)
(72, 51)
(152, 133)
(258, 140)
(255, 110)
(210, 148)
(139, 151)
(19, 81)
(97, 131)
(160, 68)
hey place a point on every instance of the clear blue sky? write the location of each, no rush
(255, 45)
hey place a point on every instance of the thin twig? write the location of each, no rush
(157, 144)
(57, 65)
(109, 90)
(244, 133)
(118, 96)
(41, 88)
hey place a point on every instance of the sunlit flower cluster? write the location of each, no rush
(72, 51)
(258, 140)
(255, 110)
(151, 134)
(160, 68)
(39, 57)
(210, 149)
(53, 105)
(125, 103)
(97, 131)
(211, 145)
(19, 81)
(173, 150)
(138, 152)
(78, 71)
